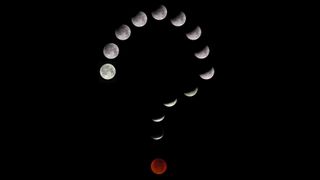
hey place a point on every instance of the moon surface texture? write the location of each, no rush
(160, 13)
(179, 20)
(140, 19)
(111, 51)
(191, 93)
(170, 104)
(107, 71)
(158, 119)
(123, 32)
(202, 54)
(158, 166)
(207, 75)
(195, 34)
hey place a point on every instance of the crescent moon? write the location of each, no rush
(123, 32)
(194, 34)
(170, 104)
(158, 137)
(207, 75)
(158, 119)
(160, 13)
(140, 19)
(191, 93)
(202, 54)
(179, 20)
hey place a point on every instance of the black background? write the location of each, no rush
(67, 121)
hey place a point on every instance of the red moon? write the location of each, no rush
(158, 166)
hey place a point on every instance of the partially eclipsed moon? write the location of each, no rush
(170, 104)
(179, 20)
(160, 13)
(194, 34)
(191, 93)
(202, 54)
(207, 75)
(107, 71)
(123, 32)
(140, 19)
(158, 119)
(111, 51)
(158, 137)
(158, 166)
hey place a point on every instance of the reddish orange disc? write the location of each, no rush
(158, 166)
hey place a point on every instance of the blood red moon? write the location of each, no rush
(158, 166)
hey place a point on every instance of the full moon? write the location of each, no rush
(140, 19)
(123, 32)
(111, 51)
(179, 20)
(160, 13)
(158, 166)
(107, 71)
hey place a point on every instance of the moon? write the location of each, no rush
(140, 19)
(179, 20)
(123, 32)
(202, 54)
(158, 119)
(191, 93)
(207, 75)
(107, 71)
(195, 34)
(111, 51)
(170, 104)
(158, 166)
(158, 137)
(160, 13)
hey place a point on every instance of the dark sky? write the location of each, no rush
(83, 126)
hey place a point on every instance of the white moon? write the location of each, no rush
(111, 51)
(202, 54)
(195, 34)
(158, 119)
(207, 75)
(123, 32)
(156, 138)
(107, 71)
(160, 13)
(179, 20)
(191, 93)
(170, 104)
(140, 19)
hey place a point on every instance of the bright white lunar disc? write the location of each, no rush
(111, 51)
(107, 71)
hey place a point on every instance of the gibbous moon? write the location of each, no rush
(158, 166)
(111, 51)
(158, 119)
(170, 104)
(179, 20)
(160, 13)
(191, 93)
(140, 19)
(123, 32)
(207, 75)
(195, 34)
(107, 71)
(202, 54)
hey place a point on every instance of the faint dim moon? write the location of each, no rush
(160, 13)
(140, 19)
(207, 75)
(123, 32)
(191, 93)
(111, 51)
(158, 166)
(195, 34)
(170, 104)
(158, 119)
(202, 54)
(158, 136)
(107, 71)
(179, 20)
